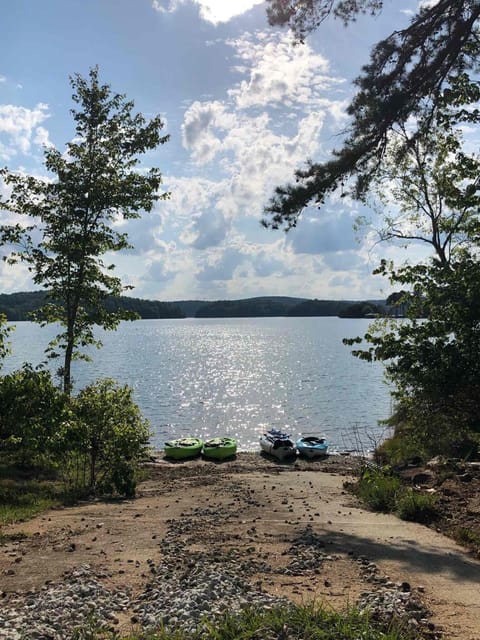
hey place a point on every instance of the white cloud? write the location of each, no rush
(3, 78)
(214, 11)
(20, 128)
(255, 148)
(426, 4)
(203, 123)
(280, 72)
(41, 137)
(159, 272)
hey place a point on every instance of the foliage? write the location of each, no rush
(361, 310)
(378, 489)
(467, 537)
(434, 363)
(22, 500)
(93, 185)
(4, 331)
(106, 439)
(304, 17)
(306, 622)
(410, 76)
(270, 306)
(399, 449)
(94, 441)
(150, 309)
(426, 190)
(19, 306)
(416, 507)
(431, 358)
(31, 411)
(252, 307)
(382, 490)
(317, 308)
(22, 305)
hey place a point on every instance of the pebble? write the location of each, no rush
(59, 608)
(184, 587)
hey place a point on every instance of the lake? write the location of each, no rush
(236, 376)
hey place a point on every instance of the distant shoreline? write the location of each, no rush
(18, 307)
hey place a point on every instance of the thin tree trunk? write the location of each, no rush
(67, 364)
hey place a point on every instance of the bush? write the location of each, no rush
(421, 430)
(94, 441)
(106, 439)
(31, 411)
(378, 489)
(416, 507)
(467, 537)
(398, 451)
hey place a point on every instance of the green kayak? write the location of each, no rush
(219, 448)
(183, 448)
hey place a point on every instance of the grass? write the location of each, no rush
(21, 500)
(382, 491)
(416, 507)
(467, 537)
(378, 490)
(12, 537)
(280, 623)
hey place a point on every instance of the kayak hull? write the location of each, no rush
(312, 446)
(277, 444)
(183, 448)
(219, 448)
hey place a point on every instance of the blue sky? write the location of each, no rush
(244, 108)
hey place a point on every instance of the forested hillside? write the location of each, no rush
(18, 306)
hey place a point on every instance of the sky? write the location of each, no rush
(244, 107)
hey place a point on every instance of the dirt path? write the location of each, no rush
(260, 509)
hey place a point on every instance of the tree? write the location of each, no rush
(109, 436)
(427, 191)
(409, 75)
(432, 358)
(433, 364)
(303, 17)
(419, 86)
(92, 186)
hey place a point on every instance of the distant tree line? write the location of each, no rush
(21, 306)
(270, 307)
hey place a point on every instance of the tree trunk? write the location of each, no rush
(67, 364)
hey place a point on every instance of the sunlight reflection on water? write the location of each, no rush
(237, 376)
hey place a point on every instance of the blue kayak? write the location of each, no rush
(312, 446)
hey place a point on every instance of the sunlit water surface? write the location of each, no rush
(236, 376)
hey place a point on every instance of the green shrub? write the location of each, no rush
(467, 537)
(398, 450)
(378, 489)
(416, 507)
(106, 439)
(31, 409)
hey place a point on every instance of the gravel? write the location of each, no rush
(186, 587)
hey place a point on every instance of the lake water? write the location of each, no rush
(240, 376)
